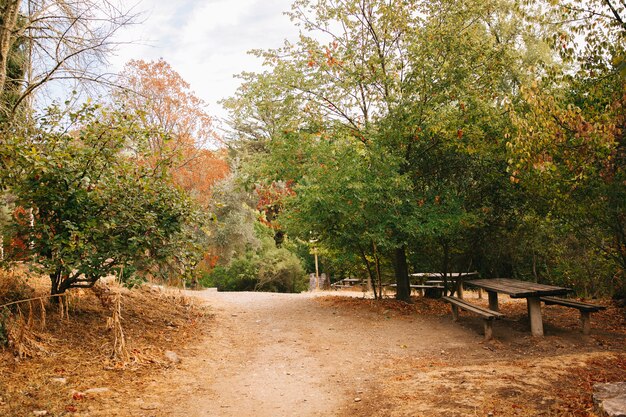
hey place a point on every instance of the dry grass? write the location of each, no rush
(14, 286)
(388, 306)
(111, 337)
(513, 375)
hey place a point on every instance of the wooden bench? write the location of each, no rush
(416, 286)
(426, 286)
(488, 315)
(585, 309)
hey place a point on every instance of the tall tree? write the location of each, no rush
(418, 87)
(569, 146)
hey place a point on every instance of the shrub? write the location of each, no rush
(268, 269)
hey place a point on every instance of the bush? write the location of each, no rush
(239, 275)
(281, 271)
(267, 269)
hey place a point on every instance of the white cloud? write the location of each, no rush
(207, 41)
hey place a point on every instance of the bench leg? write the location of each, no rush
(488, 329)
(493, 300)
(455, 312)
(585, 320)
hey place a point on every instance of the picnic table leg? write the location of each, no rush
(534, 312)
(459, 288)
(493, 300)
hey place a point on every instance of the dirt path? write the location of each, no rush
(262, 355)
(292, 355)
(276, 353)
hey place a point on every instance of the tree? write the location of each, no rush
(200, 175)
(417, 89)
(159, 97)
(10, 15)
(569, 143)
(96, 208)
(232, 232)
(59, 40)
(164, 99)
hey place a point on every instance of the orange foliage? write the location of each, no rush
(209, 261)
(198, 175)
(169, 103)
(17, 249)
(166, 101)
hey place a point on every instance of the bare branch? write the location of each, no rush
(66, 40)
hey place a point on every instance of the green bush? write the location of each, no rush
(239, 275)
(279, 270)
(266, 268)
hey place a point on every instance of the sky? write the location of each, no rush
(206, 41)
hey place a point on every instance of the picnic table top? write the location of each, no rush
(516, 288)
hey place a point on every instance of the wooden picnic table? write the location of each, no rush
(515, 288)
(455, 279)
(347, 283)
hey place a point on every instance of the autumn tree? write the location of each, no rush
(569, 146)
(162, 99)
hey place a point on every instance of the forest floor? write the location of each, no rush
(311, 354)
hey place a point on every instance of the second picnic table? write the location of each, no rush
(454, 280)
(531, 291)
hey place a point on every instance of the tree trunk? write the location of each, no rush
(7, 29)
(56, 285)
(379, 278)
(401, 271)
(446, 267)
(370, 274)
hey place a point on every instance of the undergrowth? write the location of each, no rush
(106, 337)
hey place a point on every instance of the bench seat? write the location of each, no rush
(417, 286)
(487, 315)
(585, 309)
